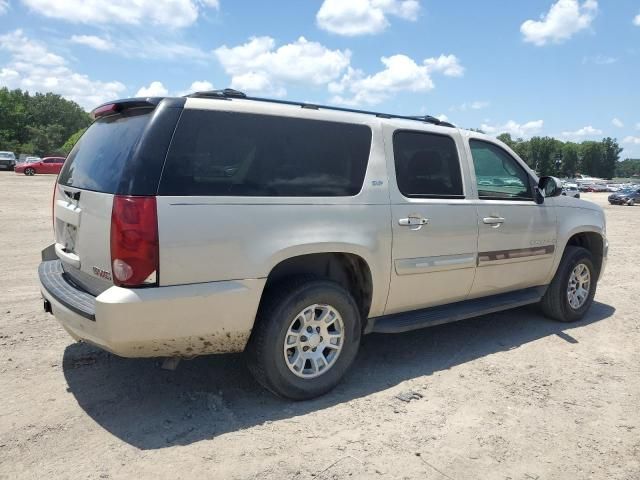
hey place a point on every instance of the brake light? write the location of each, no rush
(105, 110)
(134, 241)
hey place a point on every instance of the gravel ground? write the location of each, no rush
(504, 396)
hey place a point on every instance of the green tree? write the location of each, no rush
(39, 123)
(71, 141)
(610, 155)
(570, 159)
(543, 153)
(592, 153)
(506, 138)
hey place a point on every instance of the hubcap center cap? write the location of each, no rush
(314, 340)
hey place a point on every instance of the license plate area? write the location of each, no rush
(69, 235)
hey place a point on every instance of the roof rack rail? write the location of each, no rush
(230, 93)
(226, 93)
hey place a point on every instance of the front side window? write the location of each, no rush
(427, 165)
(498, 175)
(238, 154)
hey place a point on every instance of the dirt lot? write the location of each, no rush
(505, 396)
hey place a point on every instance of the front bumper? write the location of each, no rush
(184, 320)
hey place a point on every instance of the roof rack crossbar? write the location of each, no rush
(229, 93)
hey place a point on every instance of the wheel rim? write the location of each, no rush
(314, 341)
(29, 171)
(579, 286)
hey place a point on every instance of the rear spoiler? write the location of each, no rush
(118, 106)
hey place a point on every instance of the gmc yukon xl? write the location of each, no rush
(220, 223)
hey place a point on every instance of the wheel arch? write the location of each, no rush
(350, 270)
(590, 238)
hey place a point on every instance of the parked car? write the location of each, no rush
(627, 196)
(34, 165)
(326, 224)
(571, 190)
(595, 187)
(7, 160)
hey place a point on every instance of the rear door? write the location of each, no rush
(434, 225)
(84, 196)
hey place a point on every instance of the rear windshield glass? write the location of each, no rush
(224, 153)
(98, 159)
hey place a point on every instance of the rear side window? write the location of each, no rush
(97, 161)
(427, 165)
(238, 154)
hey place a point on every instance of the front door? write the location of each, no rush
(517, 237)
(434, 226)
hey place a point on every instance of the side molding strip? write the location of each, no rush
(515, 254)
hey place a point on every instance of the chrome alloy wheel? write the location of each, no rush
(314, 341)
(579, 285)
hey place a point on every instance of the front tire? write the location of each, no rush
(572, 289)
(306, 337)
(29, 172)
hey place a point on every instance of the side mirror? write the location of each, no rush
(549, 187)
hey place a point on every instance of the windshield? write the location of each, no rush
(7, 155)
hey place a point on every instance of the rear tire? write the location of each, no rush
(280, 351)
(565, 299)
(29, 172)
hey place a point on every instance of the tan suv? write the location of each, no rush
(220, 223)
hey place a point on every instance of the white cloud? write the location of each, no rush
(34, 68)
(599, 60)
(564, 19)
(616, 122)
(401, 73)
(4, 6)
(631, 140)
(166, 13)
(362, 17)
(583, 132)
(476, 105)
(201, 86)
(442, 117)
(637, 126)
(516, 129)
(259, 67)
(636, 20)
(155, 89)
(479, 105)
(448, 65)
(93, 41)
(148, 47)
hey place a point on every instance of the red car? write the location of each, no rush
(44, 165)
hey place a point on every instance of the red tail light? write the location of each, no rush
(134, 241)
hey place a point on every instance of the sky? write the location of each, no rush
(564, 68)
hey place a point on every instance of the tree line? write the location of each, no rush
(47, 124)
(550, 156)
(39, 124)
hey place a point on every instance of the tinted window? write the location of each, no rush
(427, 165)
(498, 174)
(224, 153)
(98, 159)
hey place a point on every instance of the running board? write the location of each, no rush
(429, 317)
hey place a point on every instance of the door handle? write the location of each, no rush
(415, 222)
(495, 222)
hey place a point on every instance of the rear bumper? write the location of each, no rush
(185, 320)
